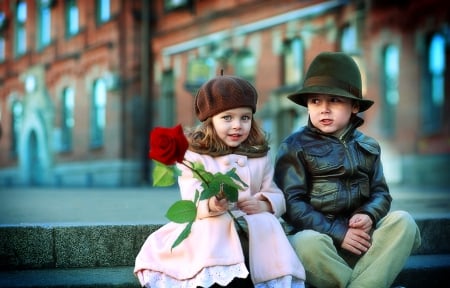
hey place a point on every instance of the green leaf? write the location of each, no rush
(231, 193)
(200, 173)
(211, 190)
(232, 174)
(163, 175)
(183, 235)
(182, 211)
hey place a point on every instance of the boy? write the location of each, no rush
(337, 199)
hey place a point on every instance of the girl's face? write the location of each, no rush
(233, 126)
(330, 114)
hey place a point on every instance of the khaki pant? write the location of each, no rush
(393, 240)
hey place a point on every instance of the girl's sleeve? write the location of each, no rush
(269, 190)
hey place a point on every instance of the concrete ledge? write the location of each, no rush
(72, 246)
(28, 247)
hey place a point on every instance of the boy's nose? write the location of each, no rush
(325, 107)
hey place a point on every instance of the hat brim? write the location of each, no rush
(300, 97)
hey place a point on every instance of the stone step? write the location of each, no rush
(70, 277)
(420, 271)
(103, 255)
(71, 246)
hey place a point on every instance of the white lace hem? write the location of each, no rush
(282, 282)
(221, 275)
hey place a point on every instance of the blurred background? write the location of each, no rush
(83, 82)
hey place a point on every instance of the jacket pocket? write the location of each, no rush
(367, 156)
(322, 158)
(324, 196)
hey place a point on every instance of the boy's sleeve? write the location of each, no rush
(380, 199)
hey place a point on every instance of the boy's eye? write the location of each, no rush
(335, 99)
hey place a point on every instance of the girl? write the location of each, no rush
(227, 138)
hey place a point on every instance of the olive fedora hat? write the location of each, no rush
(332, 73)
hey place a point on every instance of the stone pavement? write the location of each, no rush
(147, 205)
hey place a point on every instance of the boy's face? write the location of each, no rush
(330, 114)
(233, 126)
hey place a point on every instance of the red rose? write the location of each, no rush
(168, 145)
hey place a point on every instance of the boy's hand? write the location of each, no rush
(356, 241)
(361, 221)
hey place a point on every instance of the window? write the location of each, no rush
(103, 11)
(2, 49)
(170, 5)
(349, 39)
(433, 102)
(72, 17)
(67, 118)
(98, 113)
(245, 65)
(168, 99)
(2, 37)
(21, 33)
(199, 71)
(45, 23)
(293, 62)
(391, 65)
(16, 124)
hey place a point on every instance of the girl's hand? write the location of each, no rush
(217, 205)
(251, 205)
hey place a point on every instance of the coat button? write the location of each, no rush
(241, 162)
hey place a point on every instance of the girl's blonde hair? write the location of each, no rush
(203, 139)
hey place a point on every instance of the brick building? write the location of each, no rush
(82, 82)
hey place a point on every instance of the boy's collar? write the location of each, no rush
(354, 122)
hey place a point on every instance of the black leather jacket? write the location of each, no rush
(326, 179)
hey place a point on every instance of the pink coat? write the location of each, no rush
(214, 239)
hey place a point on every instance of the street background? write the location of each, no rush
(148, 205)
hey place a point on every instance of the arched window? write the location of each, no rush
(349, 39)
(98, 113)
(21, 33)
(293, 61)
(72, 17)
(433, 98)
(16, 125)
(67, 118)
(245, 65)
(45, 23)
(390, 80)
(199, 71)
(103, 11)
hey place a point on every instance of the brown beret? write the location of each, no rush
(222, 93)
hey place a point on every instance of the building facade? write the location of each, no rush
(82, 82)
